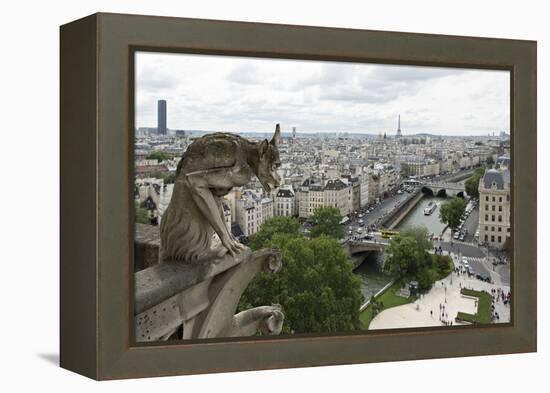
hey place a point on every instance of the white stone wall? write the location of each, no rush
(267, 210)
(364, 186)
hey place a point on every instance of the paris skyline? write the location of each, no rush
(249, 94)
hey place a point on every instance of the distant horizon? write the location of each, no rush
(207, 92)
(289, 132)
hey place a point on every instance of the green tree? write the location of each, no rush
(316, 286)
(401, 256)
(407, 257)
(443, 264)
(490, 161)
(327, 222)
(426, 278)
(420, 234)
(159, 156)
(451, 212)
(141, 214)
(275, 225)
(423, 243)
(472, 184)
(168, 178)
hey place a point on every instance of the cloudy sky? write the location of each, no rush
(249, 94)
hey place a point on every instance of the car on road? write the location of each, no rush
(483, 278)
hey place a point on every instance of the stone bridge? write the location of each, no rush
(450, 189)
(359, 246)
(355, 249)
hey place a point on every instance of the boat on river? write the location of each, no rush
(430, 208)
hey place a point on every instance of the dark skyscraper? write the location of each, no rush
(161, 117)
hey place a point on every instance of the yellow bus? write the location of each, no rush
(387, 234)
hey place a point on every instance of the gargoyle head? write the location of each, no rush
(269, 162)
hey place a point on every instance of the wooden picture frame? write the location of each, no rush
(96, 207)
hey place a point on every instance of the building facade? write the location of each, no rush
(494, 208)
(285, 202)
(313, 194)
(339, 195)
(251, 212)
(355, 184)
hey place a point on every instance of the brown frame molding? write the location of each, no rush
(96, 179)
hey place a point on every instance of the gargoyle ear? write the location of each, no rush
(264, 146)
(277, 136)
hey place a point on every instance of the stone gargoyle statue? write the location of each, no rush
(210, 167)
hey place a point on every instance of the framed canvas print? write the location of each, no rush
(241, 196)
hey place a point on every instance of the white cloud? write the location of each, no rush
(238, 93)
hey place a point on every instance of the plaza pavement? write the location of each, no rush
(444, 292)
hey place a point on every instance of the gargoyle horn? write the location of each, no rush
(277, 136)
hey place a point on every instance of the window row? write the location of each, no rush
(493, 198)
(493, 238)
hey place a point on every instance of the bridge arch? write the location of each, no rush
(427, 191)
(442, 193)
(444, 189)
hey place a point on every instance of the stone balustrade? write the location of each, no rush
(175, 300)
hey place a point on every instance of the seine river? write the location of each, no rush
(417, 218)
(370, 271)
(372, 277)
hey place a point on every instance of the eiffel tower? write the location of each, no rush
(398, 127)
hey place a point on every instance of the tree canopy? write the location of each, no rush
(472, 184)
(420, 234)
(316, 287)
(401, 256)
(327, 222)
(168, 178)
(407, 257)
(159, 156)
(407, 252)
(141, 214)
(451, 212)
(275, 225)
